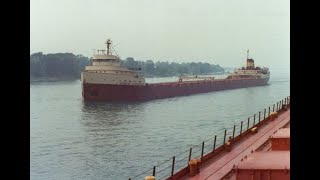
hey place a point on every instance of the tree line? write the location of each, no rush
(60, 65)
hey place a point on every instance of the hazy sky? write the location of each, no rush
(215, 31)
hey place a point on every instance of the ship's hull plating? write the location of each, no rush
(108, 92)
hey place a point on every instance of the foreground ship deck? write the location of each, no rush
(259, 149)
(221, 166)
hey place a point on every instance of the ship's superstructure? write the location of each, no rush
(106, 69)
(107, 80)
(250, 71)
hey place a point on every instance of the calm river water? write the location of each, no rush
(71, 139)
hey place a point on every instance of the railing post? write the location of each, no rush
(264, 116)
(281, 103)
(248, 123)
(154, 171)
(172, 170)
(214, 143)
(234, 129)
(273, 107)
(285, 101)
(259, 116)
(277, 106)
(254, 119)
(269, 112)
(202, 150)
(241, 127)
(224, 138)
(190, 152)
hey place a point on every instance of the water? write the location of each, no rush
(71, 139)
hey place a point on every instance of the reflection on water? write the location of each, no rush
(108, 114)
(73, 139)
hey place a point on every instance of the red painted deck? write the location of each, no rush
(218, 167)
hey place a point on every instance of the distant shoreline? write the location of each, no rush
(52, 79)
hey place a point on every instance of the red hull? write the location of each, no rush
(108, 92)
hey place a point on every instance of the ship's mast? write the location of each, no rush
(108, 46)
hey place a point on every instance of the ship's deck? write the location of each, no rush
(197, 81)
(220, 166)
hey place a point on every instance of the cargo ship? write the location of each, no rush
(107, 80)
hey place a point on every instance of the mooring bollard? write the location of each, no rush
(273, 116)
(193, 167)
(198, 164)
(150, 178)
(254, 130)
(228, 145)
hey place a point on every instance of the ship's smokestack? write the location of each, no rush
(250, 62)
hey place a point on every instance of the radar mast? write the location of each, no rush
(108, 46)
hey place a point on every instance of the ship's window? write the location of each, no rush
(129, 80)
(139, 81)
(125, 80)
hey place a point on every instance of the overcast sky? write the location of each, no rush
(215, 31)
